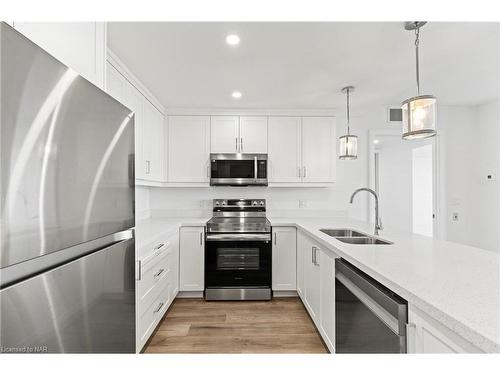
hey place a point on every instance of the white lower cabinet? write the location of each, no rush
(327, 298)
(192, 256)
(157, 284)
(316, 286)
(284, 259)
(312, 280)
(426, 335)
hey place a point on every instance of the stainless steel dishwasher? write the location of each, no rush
(369, 318)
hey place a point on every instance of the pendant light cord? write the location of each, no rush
(348, 117)
(417, 40)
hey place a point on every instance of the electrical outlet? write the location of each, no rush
(302, 204)
(491, 177)
(455, 216)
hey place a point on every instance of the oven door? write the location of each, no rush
(238, 260)
(238, 169)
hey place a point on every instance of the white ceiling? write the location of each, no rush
(304, 65)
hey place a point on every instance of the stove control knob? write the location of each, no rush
(254, 203)
(261, 203)
(223, 203)
(217, 203)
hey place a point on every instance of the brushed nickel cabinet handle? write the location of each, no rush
(159, 246)
(236, 144)
(275, 237)
(158, 308)
(241, 144)
(159, 273)
(304, 171)
(201, 238)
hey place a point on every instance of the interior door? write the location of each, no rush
(284, 140)
(318, 149)
(224, 134)
(253, 135)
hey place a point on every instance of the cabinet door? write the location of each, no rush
(135, 102)
(301, 250)
(327, 298)
(188, 148)
(428, 336)
(284, 258)
(312, 281)
(79, 45)
(253, 135)
(318, 149)
(192, 259)
(284, 139)
(224, 134)
(116, 84)
(153, 142)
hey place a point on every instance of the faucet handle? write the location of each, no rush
(379, 224)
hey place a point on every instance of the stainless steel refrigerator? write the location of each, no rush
(67, 266)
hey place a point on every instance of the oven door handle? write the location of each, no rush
(239, 237)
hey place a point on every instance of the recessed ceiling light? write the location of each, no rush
(376, 141)
(236, 94)
(233, 39)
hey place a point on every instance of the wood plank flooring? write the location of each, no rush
(197, 326)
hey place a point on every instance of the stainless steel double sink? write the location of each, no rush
(352, 236)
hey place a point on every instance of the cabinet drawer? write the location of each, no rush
(155, 311)
(153, 277)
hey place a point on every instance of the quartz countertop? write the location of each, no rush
(457, 285)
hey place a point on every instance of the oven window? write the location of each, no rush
(238, 259)
(233, 169)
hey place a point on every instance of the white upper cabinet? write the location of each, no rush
(284, 136)
(284, 262)
(188, 149)
(318, 149)
(153, 142)
(224, 134)
(253, 135)
(230, 134)
(79, 45)
(148, 125)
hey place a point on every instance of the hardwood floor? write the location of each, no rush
(196, 326)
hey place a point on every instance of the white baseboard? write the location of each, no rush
(188, 294)
(284, 293)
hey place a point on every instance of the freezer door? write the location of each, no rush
(85, 306)
(66, 155)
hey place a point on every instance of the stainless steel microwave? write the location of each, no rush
(238, 169)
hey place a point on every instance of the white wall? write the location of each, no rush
(142, 202)
(469, 151)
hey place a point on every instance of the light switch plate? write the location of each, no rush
(302, 204)
(455, 216)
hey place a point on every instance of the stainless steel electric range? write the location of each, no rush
(238, 251)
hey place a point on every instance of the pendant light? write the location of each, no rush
(419, 112)
(348, 144)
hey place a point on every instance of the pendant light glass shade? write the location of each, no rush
(348, 147)
(419, 117)
(419, 112)
(348, 144)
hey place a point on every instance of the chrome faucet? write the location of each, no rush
(378, 222)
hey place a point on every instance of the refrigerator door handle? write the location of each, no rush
(21, 271)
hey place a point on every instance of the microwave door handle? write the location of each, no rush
(255, 168)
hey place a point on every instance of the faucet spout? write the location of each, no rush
(378, 222)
